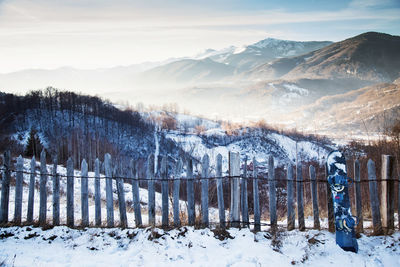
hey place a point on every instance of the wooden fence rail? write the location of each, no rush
(381, 203)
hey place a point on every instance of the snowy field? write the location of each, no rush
(185, 246)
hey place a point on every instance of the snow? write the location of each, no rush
(296, 89)
(191, 122)
(240, 49)
(61, 246)
(211, 52)
(300, 149)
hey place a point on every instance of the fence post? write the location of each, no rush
(5, 187)
(290, 201)
(387, 193)
(134, 173)
(56, 194)
(373, 194)
(272, 191)
(329, 200)
(204, 190)
(360, 221)
(190, 193)
(314, 195)
(97, 193)
(84, 194)
(151, 193)
(121, 198)
(43, 189)
(256, 198)
(300, 204)
(220, 192)
(244, 201)
(109, 190)
(177, 182)
(398, 201)
(164, 191)
(31, 195)
(18, 190)
(234, 173)
(70, 192)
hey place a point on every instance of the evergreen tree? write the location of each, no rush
(34, 146)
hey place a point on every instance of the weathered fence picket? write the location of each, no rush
(84, 194)
(5, 187)
(43, 189)
(190, 193)
(329, 201)
(220, 192)
(373, 194)
(70, 192)
(243, 196)
(56, 194)
(300, 204)
(150, 188)
(121, 199)
(272, 192)
(135, 193)
(31, 194)
(387, 193)
(204, 191)
(164, 191)
(359, 213)
(234, 172)
(176, 189)
(314, 197)
(18, 191)
(256, 198)
(109, 190)
(398, 200)
(97, 193)
(290, 199)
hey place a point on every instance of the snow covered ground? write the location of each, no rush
(61, 246)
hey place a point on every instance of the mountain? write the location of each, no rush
(368, 109)
(372, 57)
(188, 71)
(216, 65)
(267, 50)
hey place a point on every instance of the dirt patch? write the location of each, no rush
(222, 234)
(6, 235)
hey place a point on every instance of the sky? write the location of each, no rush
(98, 33)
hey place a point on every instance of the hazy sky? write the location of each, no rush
(100, 33)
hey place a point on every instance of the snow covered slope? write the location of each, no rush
(256, 143)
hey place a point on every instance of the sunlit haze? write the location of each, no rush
(94, 34)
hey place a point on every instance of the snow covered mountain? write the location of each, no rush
(267, 50)
(216, 65)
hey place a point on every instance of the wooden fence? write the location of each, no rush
(382, 204)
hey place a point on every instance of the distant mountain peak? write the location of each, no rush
(270, 41)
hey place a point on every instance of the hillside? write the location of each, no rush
(86, 127)
(371, 56)
(265, 51)
(188, 70)
(369, 109)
